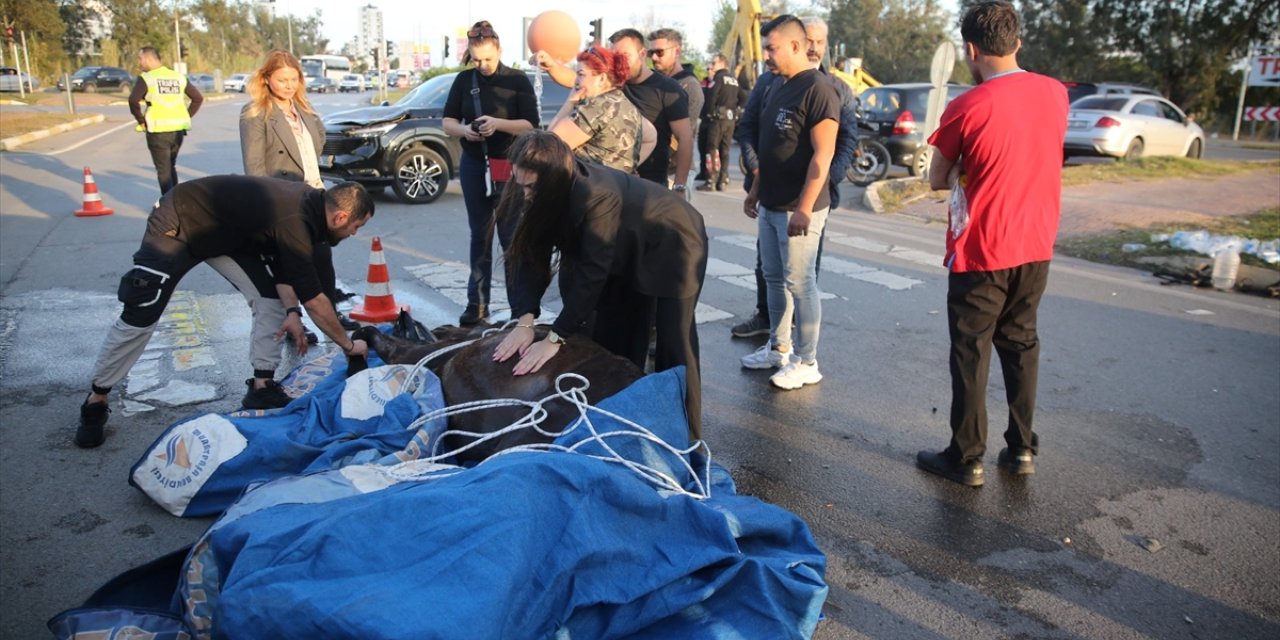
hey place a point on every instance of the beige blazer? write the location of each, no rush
(267, 145)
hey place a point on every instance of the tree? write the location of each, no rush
(725, 14)
(1187, 48)
(895, 38)
(139, 23)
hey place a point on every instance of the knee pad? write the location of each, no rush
(142, 287)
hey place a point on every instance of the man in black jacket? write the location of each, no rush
(724, 99)
(269, 238)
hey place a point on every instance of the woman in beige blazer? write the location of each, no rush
(281, 136)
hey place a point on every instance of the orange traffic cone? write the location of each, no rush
(92, 201)
(379, 305)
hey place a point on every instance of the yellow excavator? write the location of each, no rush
(745, 51)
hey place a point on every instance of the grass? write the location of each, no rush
(1158, 168)
(1108, 247)
(896, 194)
(16, 124)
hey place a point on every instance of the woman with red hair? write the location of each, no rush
(598, 121)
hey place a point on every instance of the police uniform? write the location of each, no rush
(724, 99)
(167, 118)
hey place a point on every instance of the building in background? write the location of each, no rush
(369, 36)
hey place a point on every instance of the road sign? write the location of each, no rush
(1264, 71)
(1262, 114)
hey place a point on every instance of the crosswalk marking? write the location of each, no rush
(179, 344)
(833, 264)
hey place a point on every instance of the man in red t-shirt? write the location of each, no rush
(1002, 142)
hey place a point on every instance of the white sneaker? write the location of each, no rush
(765, 357)
(795, 375)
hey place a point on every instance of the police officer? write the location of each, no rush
(724, 99)
(167, 116)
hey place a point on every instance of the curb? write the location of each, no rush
(9, 144)
(871, 194)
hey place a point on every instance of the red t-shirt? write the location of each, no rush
(1008, 133)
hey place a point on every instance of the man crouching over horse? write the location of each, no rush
(631, 255)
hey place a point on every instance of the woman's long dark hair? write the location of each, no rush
(544, 222)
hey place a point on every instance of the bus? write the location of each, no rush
(325, 66)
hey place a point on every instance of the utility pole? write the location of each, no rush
(177, 41)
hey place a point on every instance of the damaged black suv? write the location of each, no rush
(403, 145)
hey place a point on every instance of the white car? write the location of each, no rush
(235, 83)
(351, 82)
(1130, 126)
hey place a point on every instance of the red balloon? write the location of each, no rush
(557, 33)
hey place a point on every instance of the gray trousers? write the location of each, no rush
(145, 290)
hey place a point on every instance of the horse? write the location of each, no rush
(469, 373)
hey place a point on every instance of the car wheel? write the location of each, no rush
(89, 88)
(1196, 150)
(920, 161)
(421, 176)
(126, 87)
(1134, 152)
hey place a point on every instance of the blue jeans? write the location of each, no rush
(791, 276)
(480, 217)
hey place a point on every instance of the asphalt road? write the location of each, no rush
(1159, 414)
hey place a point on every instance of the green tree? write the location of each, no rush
(895, 38)
(40, 21)
(725, 15)
(1188, 48)
(139, 23)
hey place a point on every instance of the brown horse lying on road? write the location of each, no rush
(469, 373)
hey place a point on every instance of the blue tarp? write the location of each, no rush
(606, 535)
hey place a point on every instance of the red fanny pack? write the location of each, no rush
(500, 169)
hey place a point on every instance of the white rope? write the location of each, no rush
(537, 414)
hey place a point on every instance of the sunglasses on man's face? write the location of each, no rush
(659, 53)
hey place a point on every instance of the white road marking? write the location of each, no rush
(836, 265)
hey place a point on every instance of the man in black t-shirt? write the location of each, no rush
(789, 198)
(664, 104)
(265, 236)
(666, 48)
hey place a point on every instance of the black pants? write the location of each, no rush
(622, 322)
(482, 221)
(719, 140)
(986, 308)
(164, 154)
(703, 149)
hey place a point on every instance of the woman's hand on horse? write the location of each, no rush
(516, 342)
(536, 355)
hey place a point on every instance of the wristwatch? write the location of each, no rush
(297, 310)
(554, 338)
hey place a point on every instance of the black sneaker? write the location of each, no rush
(941, 464)
(271, 396)
(1021, 463)
(706, 186)
(473, 315)
(93, 417)
(348, 323)
(312, 338)
(756, 325)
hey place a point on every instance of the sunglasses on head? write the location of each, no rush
(482, 33)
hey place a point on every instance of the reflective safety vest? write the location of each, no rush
(166, 101)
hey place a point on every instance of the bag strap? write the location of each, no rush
(484, 144)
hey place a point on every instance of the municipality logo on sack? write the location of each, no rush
(368, 392)
(180, 463)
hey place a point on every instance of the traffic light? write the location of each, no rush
(597, 31)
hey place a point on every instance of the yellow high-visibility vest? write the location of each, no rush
(166, 101)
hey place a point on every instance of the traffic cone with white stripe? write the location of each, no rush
(92, 201)
(379, 304)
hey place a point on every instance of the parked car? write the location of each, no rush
(236, 82)
(1130, 126)
(1077, 90)
(403, 145)
(91, 79)
(203, 82)
(895, 112)
(351, 82)
(9, 80)
(322, 85)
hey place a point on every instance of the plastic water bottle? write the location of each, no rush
(1133, 247)
(1225, 267)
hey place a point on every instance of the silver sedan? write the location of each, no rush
(1130, 127)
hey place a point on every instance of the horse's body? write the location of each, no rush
(469, 373)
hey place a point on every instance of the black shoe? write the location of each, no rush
(311, 336)
(271, 396)
(940, 464)
(1021, 463)
(348, 323)
(756, 325)
(706, 186)
(93, 417)
(473, 315)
